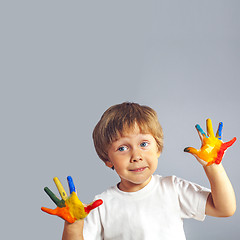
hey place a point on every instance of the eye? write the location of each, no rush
(123, 148)
(144, 144)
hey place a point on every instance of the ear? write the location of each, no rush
(108, 164)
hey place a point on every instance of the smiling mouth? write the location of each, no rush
(138, 169)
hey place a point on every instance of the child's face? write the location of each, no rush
(135, 158)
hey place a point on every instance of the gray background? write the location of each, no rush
(65, 62)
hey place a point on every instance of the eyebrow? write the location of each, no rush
(142, 136)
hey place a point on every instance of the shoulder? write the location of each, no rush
(177, 183)
(167, 181)
(107, 194)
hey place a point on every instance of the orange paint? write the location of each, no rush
(69, 208)
(212, 149)
(60, 212)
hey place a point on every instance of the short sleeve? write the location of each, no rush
(92, 229)
(192, 199)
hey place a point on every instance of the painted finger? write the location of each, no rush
(49, 211)
(60, 212)
(60, 188)
(55, 199)
(210, 132)
(71, 184)
(200, 132)
(219, 131)
(93, 205)
(229, 143)
(191, 150)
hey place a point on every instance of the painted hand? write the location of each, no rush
(69, 208)
(213, 148)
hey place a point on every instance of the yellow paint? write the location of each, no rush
(209, 150)
(210, 128)
(72, 209)
(76, 207)
(60, 188)
(212, 148)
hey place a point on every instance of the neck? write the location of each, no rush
(131, 187)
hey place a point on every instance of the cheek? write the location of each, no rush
(153, 161)
(153, 157)
(120, 164)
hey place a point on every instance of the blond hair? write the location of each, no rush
(121, 118)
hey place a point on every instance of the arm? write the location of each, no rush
(221, 201)
(73, 231)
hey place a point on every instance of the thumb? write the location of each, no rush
(195, 153)
(229, 143)
(191, 150)
(93, 205)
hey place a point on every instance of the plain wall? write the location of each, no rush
(63, 63)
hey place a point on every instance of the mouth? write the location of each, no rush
(138, 169)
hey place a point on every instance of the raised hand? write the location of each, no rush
(69, 208)
(213, 148)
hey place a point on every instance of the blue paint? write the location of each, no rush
(200, 130)
(71, 184)
(219, 132)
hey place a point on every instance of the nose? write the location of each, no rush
(136, 156)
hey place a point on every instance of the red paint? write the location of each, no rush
(223, 148)
(95, 204)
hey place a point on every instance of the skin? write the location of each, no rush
(221, 201)
(134, 157)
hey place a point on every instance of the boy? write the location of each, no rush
(129, 139)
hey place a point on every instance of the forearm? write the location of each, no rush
(222, 201)
(73, 231)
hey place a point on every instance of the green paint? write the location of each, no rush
(56, 200)
(186, 149)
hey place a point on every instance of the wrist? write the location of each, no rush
(73, 231)
(213, 167)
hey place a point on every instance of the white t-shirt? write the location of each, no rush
(152, 213)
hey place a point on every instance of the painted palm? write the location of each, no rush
(213, 148)
(69, 208)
